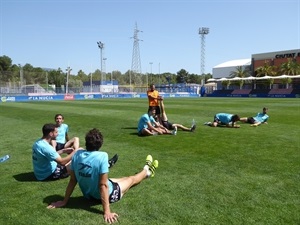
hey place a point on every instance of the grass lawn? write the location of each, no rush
(212, 176)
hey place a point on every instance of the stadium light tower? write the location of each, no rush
(101, 46)
(67, 82)
(203, 31)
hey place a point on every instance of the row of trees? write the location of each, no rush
(27, 74)
(290, 67)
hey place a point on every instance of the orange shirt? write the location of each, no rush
(152, 97)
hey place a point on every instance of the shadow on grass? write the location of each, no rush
(79, 202)
(25, 177)
(131, 128)
(29, 177)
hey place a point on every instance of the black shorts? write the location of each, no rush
(157, 109)
(216, 120)
(59, 146)
(59, 173)
(250, 120)
(167, 125)
(116, 192)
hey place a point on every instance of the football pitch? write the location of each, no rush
(212, 176)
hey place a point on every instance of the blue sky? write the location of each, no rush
(61, 33)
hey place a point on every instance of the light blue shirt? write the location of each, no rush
(144, 120)
(88, 166)
(43, 159)
(260, 117)
(63, 129)
(224, 117)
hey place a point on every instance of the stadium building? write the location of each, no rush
(281, 85)
(272, 58)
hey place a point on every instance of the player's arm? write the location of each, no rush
(153, 128)
(109, 216)
(69, 190)
(256, 124)
(233, 125)
(65, 160)
(67, 137)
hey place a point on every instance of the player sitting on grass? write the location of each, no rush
(89, 169)
(260, 118)
(62, 140)
(63, 143)
(148, 126)
(172, 126)
(47, 162)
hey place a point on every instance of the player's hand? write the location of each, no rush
(254, 125)
(110, 217)
(68, 150)
(58, 204)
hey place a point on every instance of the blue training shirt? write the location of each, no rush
(63, 129)
(43, 159)
(224, 117)
(261, 117)
(87, 166)
(144, 120)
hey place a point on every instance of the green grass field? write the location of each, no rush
(213, 176)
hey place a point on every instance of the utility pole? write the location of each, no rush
(136, 61)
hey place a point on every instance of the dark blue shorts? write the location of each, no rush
(59, 173)
(59, 146)
(116, 192)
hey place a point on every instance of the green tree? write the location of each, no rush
(286, 82)
(57, 77)
(266, 70)
(226, 83)
(182, 76)
(82, 76)
(5, 63)
(291, 67)
(240, 71)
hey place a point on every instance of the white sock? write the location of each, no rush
(146, 167)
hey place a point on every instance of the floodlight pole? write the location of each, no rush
(21, 75)
(67, 82)
(203, 31)
(101, 46)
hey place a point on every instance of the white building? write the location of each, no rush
(226, 68)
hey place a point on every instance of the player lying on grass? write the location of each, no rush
(260, 118)
(172, 126)
(89, 169)
(148, 126)
(224, 120)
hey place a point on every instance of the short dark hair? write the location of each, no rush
(151, 108)
(235, 118)
(57, 115)
(47, 128)
(93, 140)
